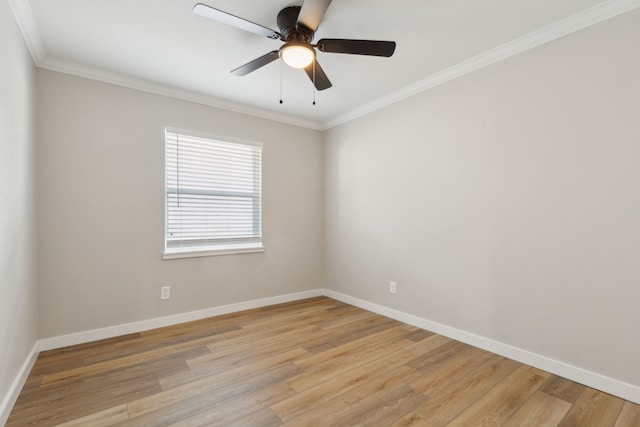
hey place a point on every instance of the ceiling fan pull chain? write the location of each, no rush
(280, 81)
(314, 82)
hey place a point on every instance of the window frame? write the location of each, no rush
(219, 248)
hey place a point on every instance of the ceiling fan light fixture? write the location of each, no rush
(297, 55)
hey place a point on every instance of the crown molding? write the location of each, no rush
(93, 73)
(571, 24)
(27, 24)
(566, 26)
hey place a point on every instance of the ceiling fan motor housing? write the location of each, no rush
(290, 29)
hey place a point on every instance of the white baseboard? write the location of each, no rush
(144, 325)
(574, 373)
(14, 391)
(610, 385)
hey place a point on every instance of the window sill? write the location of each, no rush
(209, 251)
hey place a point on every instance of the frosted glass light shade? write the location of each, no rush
(297, 55)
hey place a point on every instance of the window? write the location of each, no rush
(213, 195)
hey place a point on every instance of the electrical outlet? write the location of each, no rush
(165, 292)
(393, 288)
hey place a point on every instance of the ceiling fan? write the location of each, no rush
(298, 25)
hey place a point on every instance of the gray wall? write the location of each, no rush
(101, 205)
(505, 203)
(18, 298)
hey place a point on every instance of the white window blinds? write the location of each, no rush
(213, 194)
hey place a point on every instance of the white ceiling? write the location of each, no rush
(162, 46)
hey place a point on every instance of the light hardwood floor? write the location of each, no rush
(316, 362)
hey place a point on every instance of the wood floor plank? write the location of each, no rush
(411, 420)
(501, 401)
(385, 410)
(353, 330)
(593, 409)
(321, 302)
(302, 317)
(430, 360)
(107, 418)
(442, 408)
(262, 418)
(339, 406)
(56, 403)
(143, 344)
(419, 335)
(112, 364)
(320, 373)
(344, 318)
(429, 344)
(262, 345)
(176, 394)
(541, 410)
(229, 343)
(219, 372)
(314, 362)
(562, 388)
(311, 397)
(629, 416)
(450, 370)
(212, 397)
(356, 346)
(237, 408)
(74, 356)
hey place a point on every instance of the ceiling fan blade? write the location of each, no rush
(234, 21)
(255, 64)
(320, 79)
(312, 12)
(357, 47)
